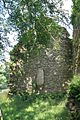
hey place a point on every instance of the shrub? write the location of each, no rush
(74, 89)
(73, 103)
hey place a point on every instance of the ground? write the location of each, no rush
(34, 107)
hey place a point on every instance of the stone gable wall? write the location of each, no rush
(55, 64)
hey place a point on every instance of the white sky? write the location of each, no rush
(68, 6)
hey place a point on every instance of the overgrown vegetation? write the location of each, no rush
(4, 75)
(74, 90)
(75, 17)
(74, 98)
(37, 26)
(35, 107)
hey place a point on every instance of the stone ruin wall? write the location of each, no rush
(50, 71)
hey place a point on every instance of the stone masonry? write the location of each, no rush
(48, 72)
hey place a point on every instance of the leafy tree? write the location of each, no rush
(36, 22)
(76, 13)
(4, 42)
(36, 16)
(76, 35)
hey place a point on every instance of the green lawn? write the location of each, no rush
(36, 107)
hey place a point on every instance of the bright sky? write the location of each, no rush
(68, 6)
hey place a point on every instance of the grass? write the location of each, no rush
(35, 107)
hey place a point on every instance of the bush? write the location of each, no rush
(73, 103)
(74, 89)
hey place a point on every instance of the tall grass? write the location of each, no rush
(35, 107)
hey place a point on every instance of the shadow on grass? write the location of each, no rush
(34, 107)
